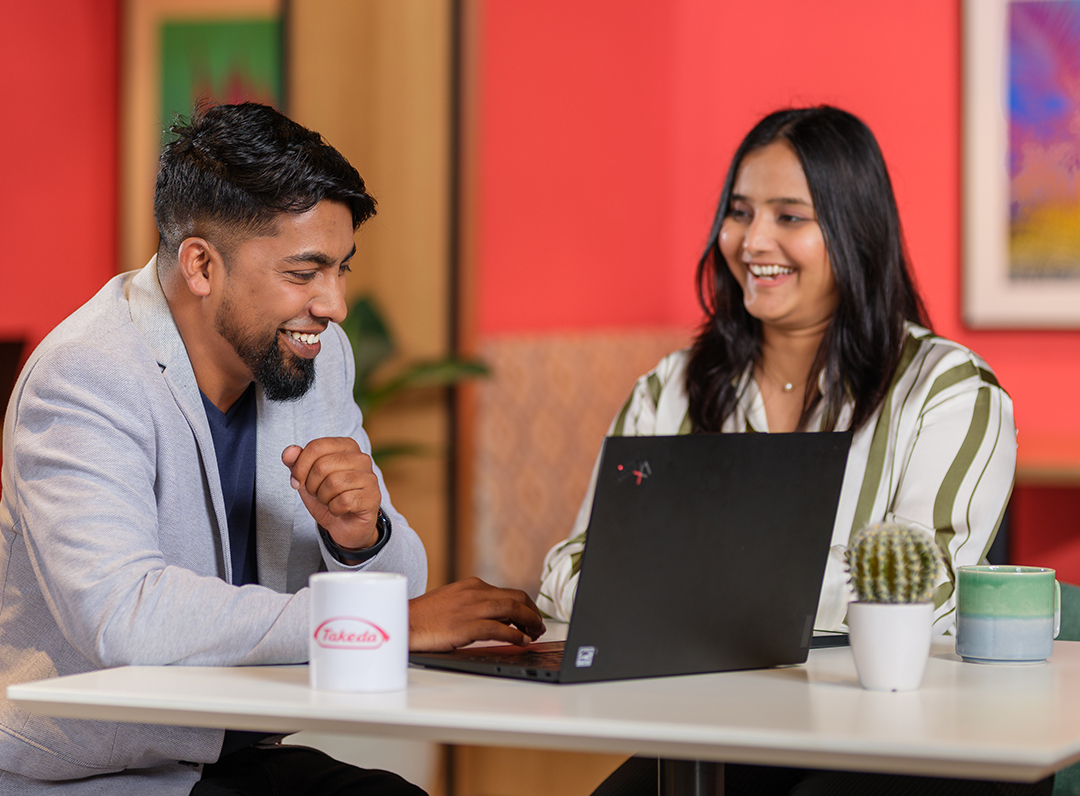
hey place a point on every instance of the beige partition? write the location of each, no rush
(489, 771)
(373, 76)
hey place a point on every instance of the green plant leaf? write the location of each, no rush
(432, 373)
(384, 453)
(372, 343)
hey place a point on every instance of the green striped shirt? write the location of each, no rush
(939, 454)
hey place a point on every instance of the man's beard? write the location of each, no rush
(283, 377)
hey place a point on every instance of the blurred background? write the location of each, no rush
(546, 175)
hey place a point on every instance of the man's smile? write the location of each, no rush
(303, 337)
(304, 344)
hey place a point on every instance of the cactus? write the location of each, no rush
(892, 563)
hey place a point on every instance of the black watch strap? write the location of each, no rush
(351, 556)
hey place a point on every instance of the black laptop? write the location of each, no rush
(705, 553)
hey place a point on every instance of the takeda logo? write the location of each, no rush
(350, 633)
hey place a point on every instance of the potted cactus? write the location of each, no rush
(893, 571)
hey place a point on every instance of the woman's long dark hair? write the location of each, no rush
(856, 210)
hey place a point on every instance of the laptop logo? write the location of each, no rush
(639, 471)
(584, 657)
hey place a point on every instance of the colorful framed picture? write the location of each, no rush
(175, 53)
(1021, 184)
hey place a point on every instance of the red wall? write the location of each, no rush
(58, 159)
(605, 133)
(606, 129)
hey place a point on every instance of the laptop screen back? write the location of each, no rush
(704, 553)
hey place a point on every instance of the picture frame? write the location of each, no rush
(143, 89)
(1021, 215)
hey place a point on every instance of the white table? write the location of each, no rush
(994, 722)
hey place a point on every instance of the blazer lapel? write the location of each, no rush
(275, 499)
(151, 315)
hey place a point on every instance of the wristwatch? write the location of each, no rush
(356, 555)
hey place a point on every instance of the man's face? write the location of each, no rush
(280, 292)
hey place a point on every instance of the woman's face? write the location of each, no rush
(773, 245)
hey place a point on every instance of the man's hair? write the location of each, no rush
(231, 169)
(856, 210)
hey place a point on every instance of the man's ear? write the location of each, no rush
(196, 260)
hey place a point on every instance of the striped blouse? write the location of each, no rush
(939, 454)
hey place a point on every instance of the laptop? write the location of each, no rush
(704, 553)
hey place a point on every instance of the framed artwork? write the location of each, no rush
(1021, 163)
(176, 52)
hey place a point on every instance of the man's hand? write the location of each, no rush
(471, 610)
(339, 487)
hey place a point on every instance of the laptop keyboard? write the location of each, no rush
(533, 659)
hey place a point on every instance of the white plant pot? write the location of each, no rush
(891, 643)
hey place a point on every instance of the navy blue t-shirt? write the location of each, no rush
(234, 434)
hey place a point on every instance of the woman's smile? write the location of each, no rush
(773, 245)
(769, 273)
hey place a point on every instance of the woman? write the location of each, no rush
(813, 323)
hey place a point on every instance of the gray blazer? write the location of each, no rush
(115, 547)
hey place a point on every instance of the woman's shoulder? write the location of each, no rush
(657, 401)
(942, 362)
(669, 373)
(672, 366)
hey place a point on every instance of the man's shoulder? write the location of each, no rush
(102, 316)
(98, 339)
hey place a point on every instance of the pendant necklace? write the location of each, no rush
(786, 386)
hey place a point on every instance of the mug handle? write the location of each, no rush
(1057, 608)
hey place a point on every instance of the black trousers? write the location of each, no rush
(637, 777)
(283, 770)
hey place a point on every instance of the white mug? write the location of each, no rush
(359, 631)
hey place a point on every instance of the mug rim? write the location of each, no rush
(1005, 569)
(339, 576)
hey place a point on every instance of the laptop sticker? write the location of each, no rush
(584, 657)
(639, 471)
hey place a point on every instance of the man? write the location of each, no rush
(183, 452)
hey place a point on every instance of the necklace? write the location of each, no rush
(786, 386)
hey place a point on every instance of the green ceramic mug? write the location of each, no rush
(1006, 614)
